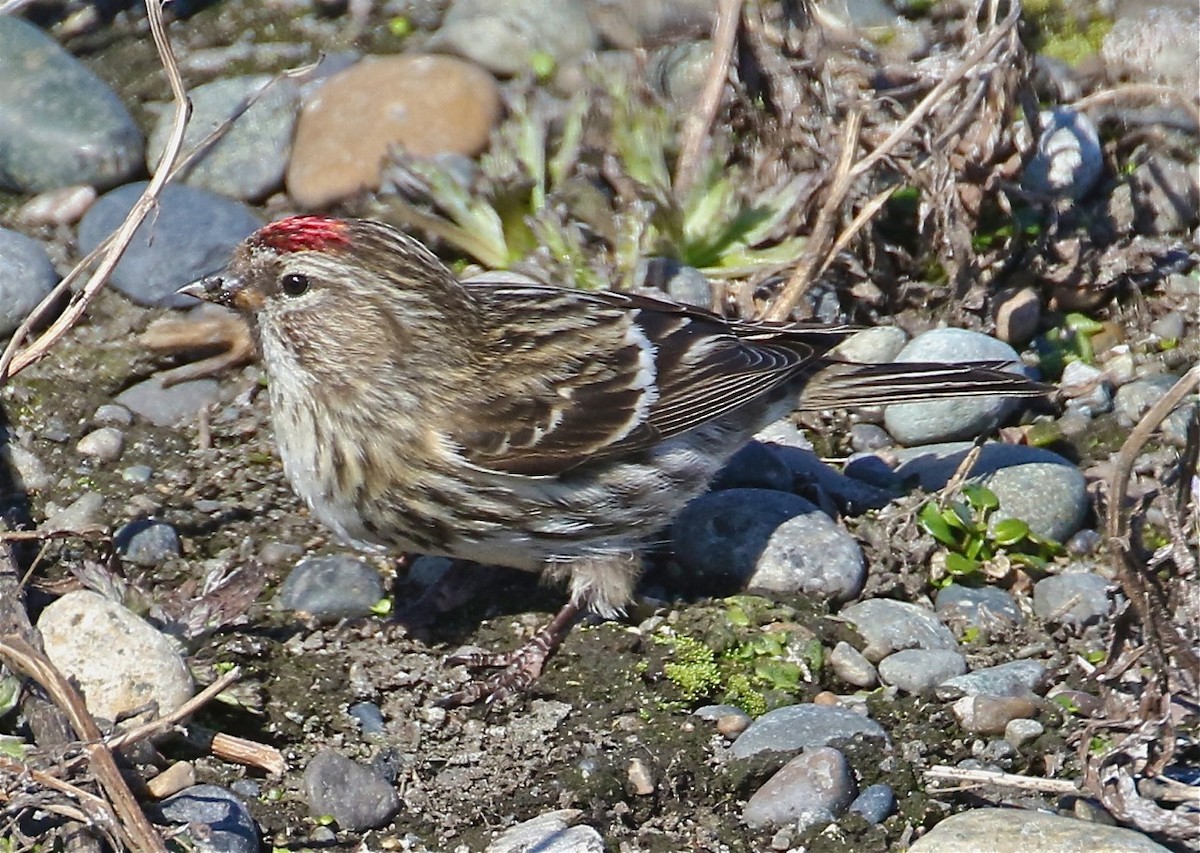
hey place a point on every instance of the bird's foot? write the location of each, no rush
(517, 669)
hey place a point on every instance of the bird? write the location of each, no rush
(548, 429)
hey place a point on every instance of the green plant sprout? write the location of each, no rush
(747, 674)
(973, 541)
(588, 214)
(1070, 341)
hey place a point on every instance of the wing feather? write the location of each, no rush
(581, 376)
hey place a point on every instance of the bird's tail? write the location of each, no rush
(839, 384)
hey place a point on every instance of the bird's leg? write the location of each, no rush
(518, 669)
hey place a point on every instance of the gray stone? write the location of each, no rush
(991, 715)
(30, 474)
(1015, 678)
(1039, 487)
(954, 418)
(1154, 42)
(1086, 389)
(369, 717)
(867, 437)
(334, 587)
(505, 36)
(725, 534)
(111, 414)
(104, 444)
(919, 670)
(1135, 399)
(59, 123)
(119, 660)
(191, 233)
(680, 282)
(80, 514)
(995, 830)
(817, 781)
(985, 608)
(551, 832)
(26, 274)
(755, 466)
(877, 345)
(890, 626)
(216, 821)
(169, 406)
(147, 542)
(356, 796)
(810, 554)
(1074, 598)
(1022, 730)
(850, 666)
(795, 727)
(248, 162)
(1165, 195)
(875, 803)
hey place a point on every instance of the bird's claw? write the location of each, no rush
(518, 669)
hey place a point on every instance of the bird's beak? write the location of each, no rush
(221, 288)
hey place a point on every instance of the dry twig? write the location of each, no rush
(17, 357)
(695, 130)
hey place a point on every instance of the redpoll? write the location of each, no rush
(546, 429)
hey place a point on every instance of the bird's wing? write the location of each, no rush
(578, 376)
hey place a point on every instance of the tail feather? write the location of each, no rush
(840, 384)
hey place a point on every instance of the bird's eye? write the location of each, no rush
(294, 284)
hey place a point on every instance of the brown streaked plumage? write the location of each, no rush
(541, 428)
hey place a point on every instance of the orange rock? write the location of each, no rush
(427, 104)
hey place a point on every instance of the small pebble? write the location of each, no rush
(213, 819)
(984, 608)
(1084, 543)
(110, 414)
(919, 670)
(641, 778)
(57, 207)
(1074, 598)
(889, 626)
(174, 779)
(875, 803)
(850, 666)
(104, 444)
(355, 795)
(1016, 678)
(796, 727)
(1009, 830)
(120, 660)
(814, 784)
(732, 725)
(147, 542)
(990, 715)
(332, 587)
(1022, 730)
(369, 717)
(551, 832)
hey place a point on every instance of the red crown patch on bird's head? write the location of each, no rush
(303, 234)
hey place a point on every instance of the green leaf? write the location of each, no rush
(980, 497)
(957, 564)
(931, 519)
(1010, 531)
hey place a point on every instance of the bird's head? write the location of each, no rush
(338, 289)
